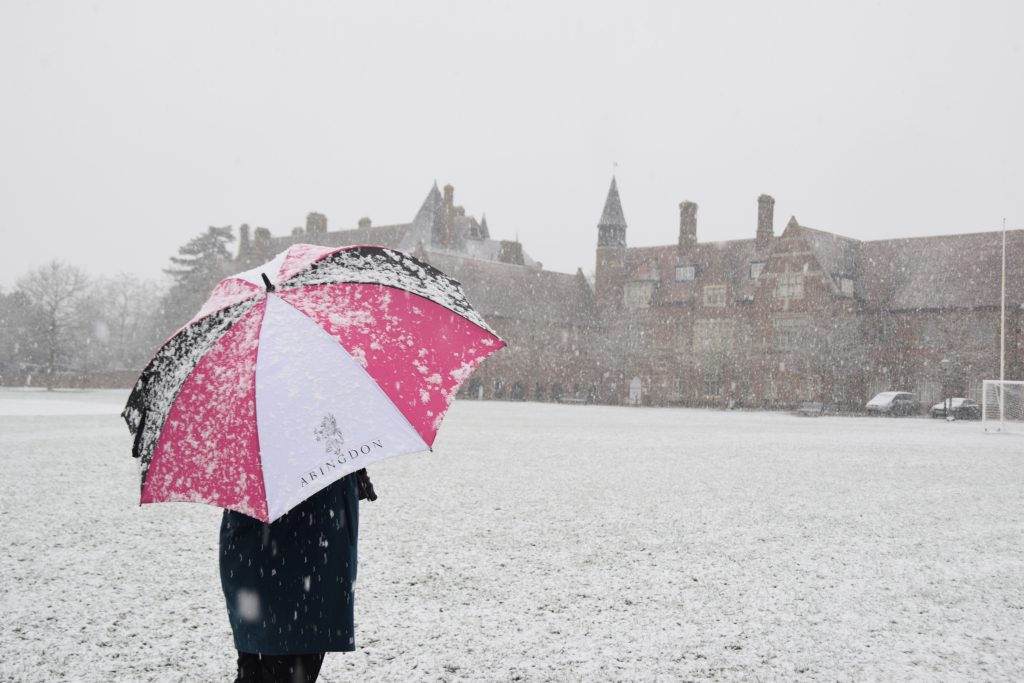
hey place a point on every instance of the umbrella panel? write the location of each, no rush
(418, 351)
(208, 450)
(320, 415)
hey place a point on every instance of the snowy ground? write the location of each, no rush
(552, 543)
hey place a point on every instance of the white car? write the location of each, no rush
(893, 403)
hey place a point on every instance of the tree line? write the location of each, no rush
(61, 326)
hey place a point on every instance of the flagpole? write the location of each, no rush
(1002, 340)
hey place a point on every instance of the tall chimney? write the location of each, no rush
(448, 233)
(262, 245)
(316, 223)
(244, 246)
(687, 225)
(765, 221)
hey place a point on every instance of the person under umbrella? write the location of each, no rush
(270, 403)
(289, 585)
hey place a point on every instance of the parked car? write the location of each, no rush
(962, 409)
(893, 403)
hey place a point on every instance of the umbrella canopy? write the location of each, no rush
(299, 372)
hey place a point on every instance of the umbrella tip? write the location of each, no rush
(266, 281)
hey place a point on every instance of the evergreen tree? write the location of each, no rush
(199, 266)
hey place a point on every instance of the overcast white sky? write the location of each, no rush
(128, 127)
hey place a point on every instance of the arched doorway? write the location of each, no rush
(636, 390)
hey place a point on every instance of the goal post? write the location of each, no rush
(1002, 405)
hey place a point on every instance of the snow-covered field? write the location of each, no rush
(552, 543)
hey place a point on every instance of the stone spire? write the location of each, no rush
(611, 229)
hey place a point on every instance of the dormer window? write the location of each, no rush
(714, 295)
(686, 273)
(846, 286)
(755, 269)
(790, 286)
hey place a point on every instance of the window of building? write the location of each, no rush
(712, 378)
(686, 273)
(788, 333)
(755, 269)
(790, 286)
(638, 294)
(679, 389)
(714, 295)
(713, 335)
(884, 330)
(846, 286)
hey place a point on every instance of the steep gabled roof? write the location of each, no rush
(424, 225)
(951, 271)
(612, 216)
(837, 255)
(502, 290)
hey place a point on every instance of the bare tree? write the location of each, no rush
(56, 290)
(125, 328)
(18, 321)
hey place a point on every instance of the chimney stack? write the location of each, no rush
(511, 252)
(765, 221)
(316, 224)
(244, 246)
(448, 231)
(262, 244)
(687, 225)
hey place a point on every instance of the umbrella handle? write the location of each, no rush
(366, 491)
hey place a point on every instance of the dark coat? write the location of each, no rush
(289, 585)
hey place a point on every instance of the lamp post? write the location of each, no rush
(946, 372)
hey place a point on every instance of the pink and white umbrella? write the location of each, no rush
(299, 372)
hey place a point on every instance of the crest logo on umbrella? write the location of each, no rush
(328, 433)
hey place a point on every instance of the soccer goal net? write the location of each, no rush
(1002, 406)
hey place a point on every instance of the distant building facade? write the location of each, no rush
(548, 318)
(769, 321)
